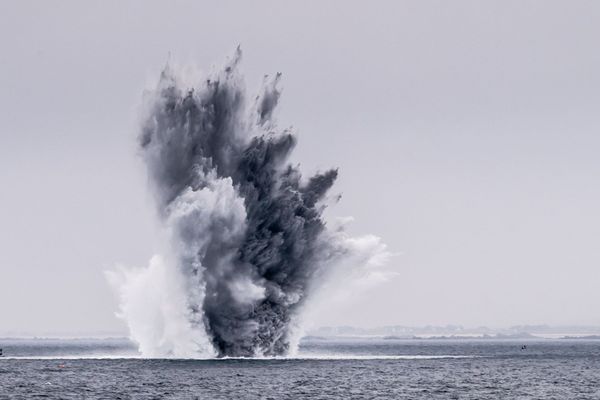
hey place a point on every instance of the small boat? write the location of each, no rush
(1, 355)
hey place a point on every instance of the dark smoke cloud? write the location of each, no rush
(250, 255)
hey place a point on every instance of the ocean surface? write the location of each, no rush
(324, 369)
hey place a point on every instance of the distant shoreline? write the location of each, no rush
(122, 339)
(391, 332)
(457, 337)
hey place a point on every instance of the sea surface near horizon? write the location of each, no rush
(323, 369)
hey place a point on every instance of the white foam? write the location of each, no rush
(307, 357)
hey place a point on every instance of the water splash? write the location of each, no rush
(248, 239)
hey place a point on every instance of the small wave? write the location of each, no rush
(74, 357)
(364, 357)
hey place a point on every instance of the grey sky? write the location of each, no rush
(466, 133)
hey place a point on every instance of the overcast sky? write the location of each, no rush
(467, 135)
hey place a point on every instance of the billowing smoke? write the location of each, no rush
(248, 240)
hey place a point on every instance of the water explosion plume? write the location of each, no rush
(248, 237)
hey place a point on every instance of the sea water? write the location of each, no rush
(323, 369)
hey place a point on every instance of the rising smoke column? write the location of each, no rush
(247, 234)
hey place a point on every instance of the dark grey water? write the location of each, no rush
(348, 369)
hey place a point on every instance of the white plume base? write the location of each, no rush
(154, 305)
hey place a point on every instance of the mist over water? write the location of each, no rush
(249, 246)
